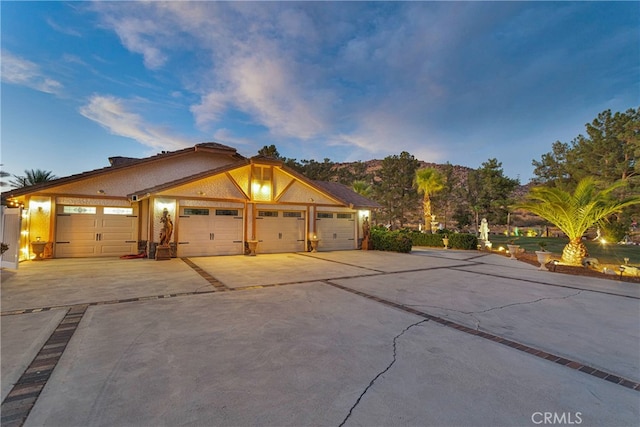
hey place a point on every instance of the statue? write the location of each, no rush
(167, 228)
(366, 233)
(484, 229)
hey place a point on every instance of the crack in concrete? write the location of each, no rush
(473, 313)
(372, 382)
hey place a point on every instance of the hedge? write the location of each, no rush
(394, 241)
(456, 240)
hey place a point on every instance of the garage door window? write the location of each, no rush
(191, 211)
(90, 210)
(118, 211)
(325, 215)
(227, 212)
(272, 214)
(292, 214)
(345, 216)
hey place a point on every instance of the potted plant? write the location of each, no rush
(513, 248)
(445, 241)
(543, 255)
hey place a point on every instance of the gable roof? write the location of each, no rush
(122, 163)
(346, 195)
(336, 191)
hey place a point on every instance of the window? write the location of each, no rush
(90, 210)
(273, 214)
(118, 211)
(324, 215)
(227, 212)
(345, 216)
(196, 211)
(292, 214)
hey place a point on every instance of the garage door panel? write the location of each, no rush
(97, 233)
(336, 231)
(67, 250)
(278, 233)
(115, 222)
(117, 235)
(115, 249)
(212, 231)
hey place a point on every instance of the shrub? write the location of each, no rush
(614, 232)
(424, 239)
(463, 241)
(394, 241)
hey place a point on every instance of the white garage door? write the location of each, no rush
(336, 231)
(280, 231)
(91, 231)
(210, 231)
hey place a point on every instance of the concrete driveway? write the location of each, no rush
(355, 338)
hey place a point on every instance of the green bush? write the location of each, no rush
(456, 240)
(393, 241)
(424, 239)
(463, 241)
(614, 232)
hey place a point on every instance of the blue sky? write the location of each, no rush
(446, 81)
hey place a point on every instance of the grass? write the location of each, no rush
(609, 253)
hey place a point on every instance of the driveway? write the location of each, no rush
(435, 338)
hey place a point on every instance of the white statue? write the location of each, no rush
(484, 229)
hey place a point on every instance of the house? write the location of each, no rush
(216, 199)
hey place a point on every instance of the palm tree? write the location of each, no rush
(32, 177)
(362, 188)
(575, 213)
(428, 181)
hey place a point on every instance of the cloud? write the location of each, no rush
(62, 29)
(442, 80)
(19, 71)
(113, 114)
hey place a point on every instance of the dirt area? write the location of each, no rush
(530, 258)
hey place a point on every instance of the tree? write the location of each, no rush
(318, 171)
(362, 188)
(492, 191)
(428, 181)
(609, 152)
(32, 177)
(447, 198)
(3, 174)
(575, 212)
(394, 188)
(269, 151)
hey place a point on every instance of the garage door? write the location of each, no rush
(336, 231)
(210, 231)
(90, 231)
(280, 231)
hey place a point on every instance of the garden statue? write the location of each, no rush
(366, 234)
(167, 228)
(484, 229)
(163, 251)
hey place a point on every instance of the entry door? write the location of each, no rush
(210, 231)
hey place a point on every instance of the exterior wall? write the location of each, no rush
(250, 187)
(121, 182)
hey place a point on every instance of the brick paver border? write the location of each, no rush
(572, 364)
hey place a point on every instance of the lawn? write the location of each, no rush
(609, 253)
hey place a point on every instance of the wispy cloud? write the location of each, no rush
(62, 29)
(370, 78)
(20, 71)
(114, 115)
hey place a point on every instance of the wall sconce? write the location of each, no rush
(201, 193)
(101, 192)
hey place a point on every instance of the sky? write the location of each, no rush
(458, 82)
